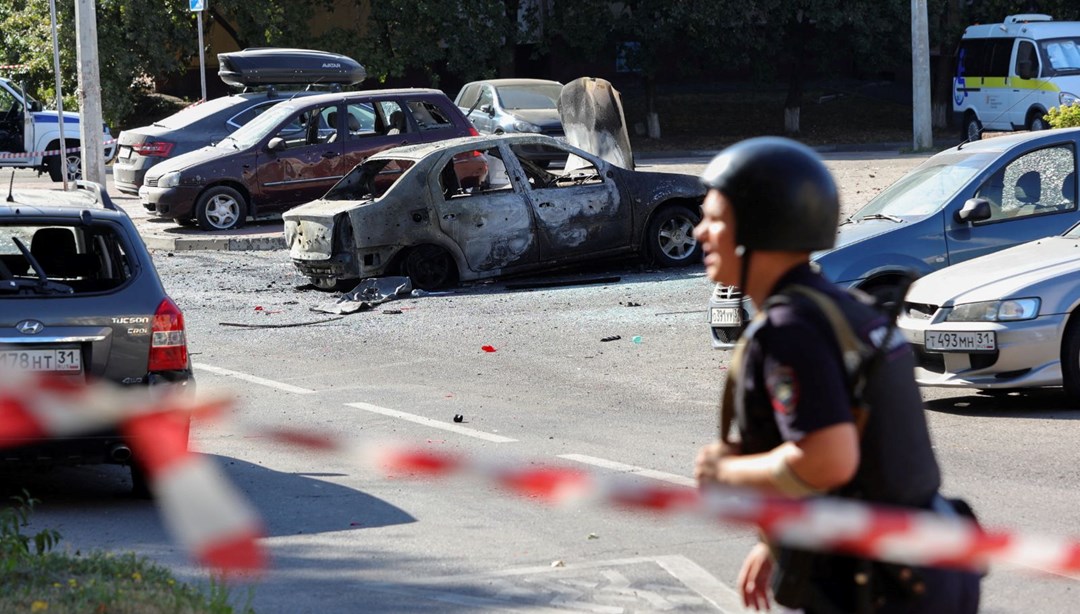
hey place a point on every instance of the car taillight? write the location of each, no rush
(473, 132)
(159, 149)
(168, 346)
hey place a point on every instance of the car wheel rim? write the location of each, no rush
(73, 167)
(222, 211)
(1038, 124)
(677, 238)
(429, 269)
(973, 131)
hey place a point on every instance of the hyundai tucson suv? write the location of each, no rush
(80, 298)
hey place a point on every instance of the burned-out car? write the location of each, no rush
(412, 211)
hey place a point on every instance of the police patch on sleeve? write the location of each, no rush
(783, 389)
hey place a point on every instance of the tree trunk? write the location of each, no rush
(508, 59)
(941, 106)
(793, 102)
(652, 119)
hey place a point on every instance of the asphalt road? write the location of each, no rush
(343, 538)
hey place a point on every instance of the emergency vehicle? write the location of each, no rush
(30, 135)
(1008, 75)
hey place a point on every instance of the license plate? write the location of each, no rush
(67, 360)
(960, 342)
(725, 315)
(125, 153)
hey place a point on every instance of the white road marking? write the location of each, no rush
(681, 480)
(269, 383)
(540, 593)
(446, 426)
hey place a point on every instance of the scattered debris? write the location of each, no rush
(293, 325)
(630, 304)
(593, 536)
(488, 348)
(368, 293)
(636, 339)
(391, 312)
(459, 418)
(558, 283)
(558, 563)
(611, 338)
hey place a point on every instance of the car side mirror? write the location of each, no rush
(276, 144)
(974, 210)
(490, 110)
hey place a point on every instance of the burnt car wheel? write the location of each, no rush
(429, 267)
(220, 208)
(670, 238)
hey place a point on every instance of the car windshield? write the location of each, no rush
(256, 130)
(369, 180)
(541, 96)
(925, 189)
(1063, 54)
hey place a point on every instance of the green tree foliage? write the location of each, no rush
(138, 41)
(467, 38)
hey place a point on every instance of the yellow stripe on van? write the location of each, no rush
(1014, 83)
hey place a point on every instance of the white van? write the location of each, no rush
(1009, 74)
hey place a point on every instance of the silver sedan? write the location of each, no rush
(1002, 321)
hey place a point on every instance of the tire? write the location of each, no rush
(186, 222)
(429, 267)
(670, 240)
(220, 208)
(972, 128)
(1070, 361)
(140, 484)
(74, 164)
(886, 292)
(1036, 121)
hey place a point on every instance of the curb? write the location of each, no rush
(225, 244)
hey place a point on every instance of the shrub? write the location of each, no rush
(1064, 116)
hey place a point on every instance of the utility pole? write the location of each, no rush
(90, 124)
(920, 77)
(59, 95)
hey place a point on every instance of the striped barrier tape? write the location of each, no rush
(13, 66)
(51, 152)
(215, 523)
(201, 509)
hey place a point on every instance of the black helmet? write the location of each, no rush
(784, 197)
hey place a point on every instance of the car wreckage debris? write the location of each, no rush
(611, 338)
(293, 325)
(369, 293)
(459, 418)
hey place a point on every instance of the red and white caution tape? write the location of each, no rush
(202, 509)
(51, 152)
(13, 66)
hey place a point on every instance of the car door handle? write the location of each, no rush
(542, 205)
(329, 154)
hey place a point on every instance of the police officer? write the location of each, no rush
(804, 427)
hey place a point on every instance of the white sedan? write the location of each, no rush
(1002, 321)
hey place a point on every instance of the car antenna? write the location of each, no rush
(11, 187)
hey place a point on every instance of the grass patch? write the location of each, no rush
(33, 578)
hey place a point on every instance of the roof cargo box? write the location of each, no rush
(276, 66)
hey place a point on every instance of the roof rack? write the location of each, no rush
(98, 191)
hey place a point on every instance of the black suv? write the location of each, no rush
(80, 297)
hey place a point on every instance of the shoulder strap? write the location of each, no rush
(857, 356)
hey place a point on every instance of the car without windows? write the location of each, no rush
(80, 298)
(965, 202)
(293, 153)
(1000, 322)
(411, 211)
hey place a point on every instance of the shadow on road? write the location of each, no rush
(1049, 403)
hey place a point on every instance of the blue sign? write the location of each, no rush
(197, 5)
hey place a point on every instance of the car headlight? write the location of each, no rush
(169, 180)
(1066, 99)
(995, 311)
(524, 126)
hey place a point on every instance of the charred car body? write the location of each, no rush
(412, 211)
